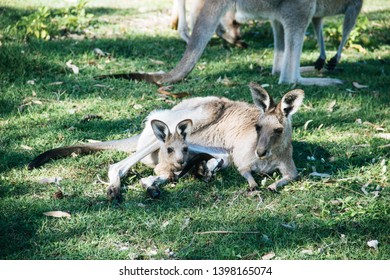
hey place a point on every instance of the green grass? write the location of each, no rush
(331, 217)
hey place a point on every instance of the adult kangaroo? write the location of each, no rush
(289, 19)
(253, 137)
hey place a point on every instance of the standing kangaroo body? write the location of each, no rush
(351, 10)
(289, 20)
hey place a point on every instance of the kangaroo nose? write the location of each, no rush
(261, 154)
(181, 162)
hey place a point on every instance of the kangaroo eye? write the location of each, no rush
(170, 150)
(185, 149)
(278, 130)
(258, 127)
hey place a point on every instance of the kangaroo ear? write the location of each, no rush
(161, 130)
(184, 128)
(291, 102)
(260, 97)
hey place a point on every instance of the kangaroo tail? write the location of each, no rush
(150, 78)
(126, 145)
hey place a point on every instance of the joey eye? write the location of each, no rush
(170, 150)
(278, 130)
(258, 127)
(185, 149)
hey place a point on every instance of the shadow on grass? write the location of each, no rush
(25, 233)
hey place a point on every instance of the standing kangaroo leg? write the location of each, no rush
(317, 24)
(349, 22)
(293, 41)
(175, 15)
(204, 28)
(182, 26)
(290, 73)
(278, 32)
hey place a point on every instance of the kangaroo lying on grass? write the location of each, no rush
(289, 20)
(228, 28)
(255, 138)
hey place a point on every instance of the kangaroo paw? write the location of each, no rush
(114, 191)
(211, 168)
(152, 183)
(241, 44)
(273, 187)
(154, 192)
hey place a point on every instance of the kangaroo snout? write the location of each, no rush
(261, 153)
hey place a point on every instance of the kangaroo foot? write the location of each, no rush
(332, 63)
(319, 64)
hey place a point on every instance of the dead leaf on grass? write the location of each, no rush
(28, 102)
(201, 66)
(384, 146)
(185, 223)
(52, 180)
(57, 214)
(225, 81)
(383, 136)
(359, 86)
(377, 127)
(358, 47)
(306, 124)
(56, 84)
(373, 244)
(157, 62)
(73, 67)
(268, 256)
(307, 252)
(335, 202)
(174, 95)
(98, 52)
(25, 147)
(165, 224)
(58, 194)
(331, 106)
(89, 117)
(321, 175)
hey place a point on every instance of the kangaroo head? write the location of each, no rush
(174, 148)
(274, 124)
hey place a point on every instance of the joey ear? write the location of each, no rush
(184, 128)
(161, 130)
(260, 97)
(291, 102)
